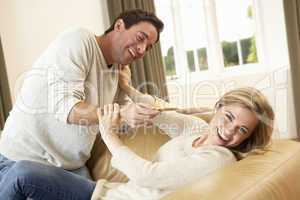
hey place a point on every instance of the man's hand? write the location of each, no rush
(124, 76)
(139, 114)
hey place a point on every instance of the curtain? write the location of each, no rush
(292, 21)
(148, 74)
(5, 98)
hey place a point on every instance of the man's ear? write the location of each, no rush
(119, 25)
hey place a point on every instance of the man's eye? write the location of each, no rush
(243, 131)
(140, 38)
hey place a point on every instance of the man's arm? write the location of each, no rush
(84, 114)
(133, 114)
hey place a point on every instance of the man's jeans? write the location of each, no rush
(26, 179)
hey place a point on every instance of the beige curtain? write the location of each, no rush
(292, 19)
(5, 98)
(148, 74)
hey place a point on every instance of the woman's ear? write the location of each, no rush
(119, 25)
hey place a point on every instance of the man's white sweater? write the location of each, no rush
(72, 69)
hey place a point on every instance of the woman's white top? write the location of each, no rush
(177, 162)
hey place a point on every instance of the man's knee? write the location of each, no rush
(23, 169)
(28, 170)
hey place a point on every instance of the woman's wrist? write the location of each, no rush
(112, 141)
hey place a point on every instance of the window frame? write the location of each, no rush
(216, 67)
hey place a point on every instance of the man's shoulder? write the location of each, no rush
(75, 38)
(76, 32)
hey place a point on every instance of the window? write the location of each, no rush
(207, 35)
(236, 31)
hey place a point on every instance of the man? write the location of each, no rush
(49, 134)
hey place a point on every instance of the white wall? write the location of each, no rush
(272, 27)
(28, 26)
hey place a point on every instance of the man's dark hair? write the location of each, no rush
(132, 17)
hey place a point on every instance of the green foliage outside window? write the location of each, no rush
(190, 60)
(252, 56)
(230, 52)
(248, 48)
(202, 57)
(170, 62)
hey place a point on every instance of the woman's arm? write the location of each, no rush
(169, 174)
(172, 123)
(135, 95)
(173, 173)
(109, 124)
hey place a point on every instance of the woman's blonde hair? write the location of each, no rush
(255, 101)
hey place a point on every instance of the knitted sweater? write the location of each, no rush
(72, 69)
(176, 163)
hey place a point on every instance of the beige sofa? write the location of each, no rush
(275, 175)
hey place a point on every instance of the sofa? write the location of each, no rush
(272, 175)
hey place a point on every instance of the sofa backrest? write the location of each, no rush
(144, 142)
(274, 175)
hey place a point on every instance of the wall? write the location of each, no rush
(27, 27)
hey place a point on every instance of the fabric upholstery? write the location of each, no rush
(274, 175)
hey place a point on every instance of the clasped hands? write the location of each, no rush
(133, 114)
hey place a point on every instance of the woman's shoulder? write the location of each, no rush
(219, 153)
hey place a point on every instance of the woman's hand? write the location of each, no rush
(124, 77)
(139, 114)
(109, 124)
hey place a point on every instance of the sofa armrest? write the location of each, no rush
(274, 175)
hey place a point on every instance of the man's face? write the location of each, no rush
(131, 44)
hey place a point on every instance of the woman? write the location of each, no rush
(242, 123)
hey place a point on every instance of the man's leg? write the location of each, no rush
(83, 171)
(37, 181)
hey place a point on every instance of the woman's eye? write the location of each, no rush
(228, 117)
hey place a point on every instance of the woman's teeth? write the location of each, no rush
(222, 136)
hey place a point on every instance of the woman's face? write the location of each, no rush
(231, 125)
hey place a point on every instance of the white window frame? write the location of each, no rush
(216, 68)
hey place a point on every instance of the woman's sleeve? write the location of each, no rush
(169, 174)
(175, 124)
(171, 122)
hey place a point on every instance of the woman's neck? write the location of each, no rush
(200, 141)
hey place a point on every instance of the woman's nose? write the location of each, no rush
(230, 129)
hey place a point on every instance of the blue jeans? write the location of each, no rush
(26, 179)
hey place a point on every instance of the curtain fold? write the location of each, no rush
(292, 21)
(5, 98)
(148, 74)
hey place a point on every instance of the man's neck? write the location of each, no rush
(104, 42)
